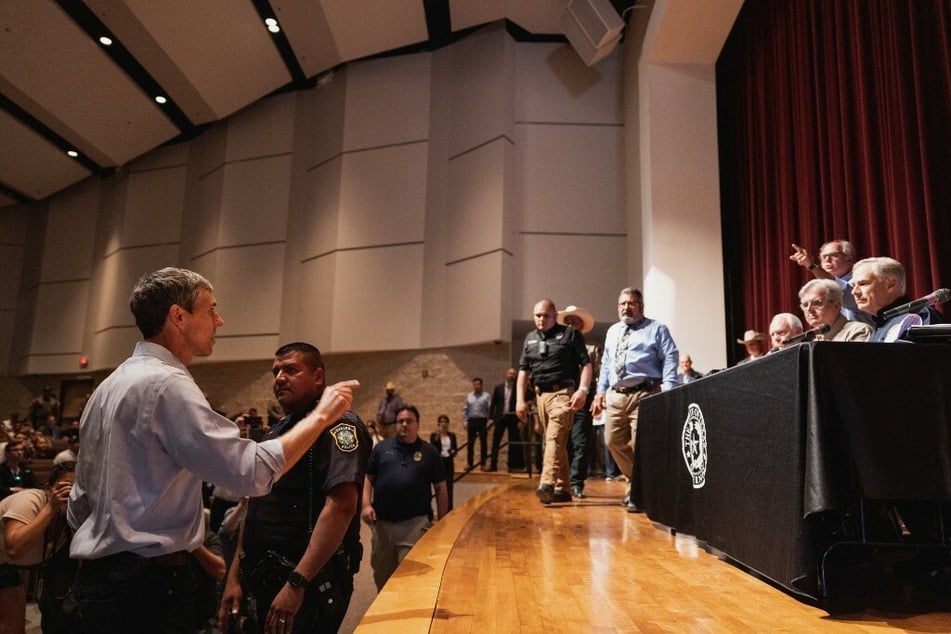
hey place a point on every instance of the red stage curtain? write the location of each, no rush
(834, 122)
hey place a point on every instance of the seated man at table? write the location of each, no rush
(821, 303)
(878, 284)
(782, 327)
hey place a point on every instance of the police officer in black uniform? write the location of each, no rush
(299, 545)
(552, 354)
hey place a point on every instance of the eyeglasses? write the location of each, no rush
(831, 254)
(634, 303)
(816, 303)
(405, 421)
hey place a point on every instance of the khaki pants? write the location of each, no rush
(620, 426)
(556, 417)
(391, 542)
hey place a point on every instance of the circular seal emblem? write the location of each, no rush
(417, 456)
(694, 445)
(345, 437)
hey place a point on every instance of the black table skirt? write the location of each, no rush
(792, 436)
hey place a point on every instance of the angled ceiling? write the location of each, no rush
(63, 90)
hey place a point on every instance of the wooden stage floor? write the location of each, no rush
(503, 562)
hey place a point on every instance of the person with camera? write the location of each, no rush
(33, 532)
(299, 546)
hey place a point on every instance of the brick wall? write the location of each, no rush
(435, 380)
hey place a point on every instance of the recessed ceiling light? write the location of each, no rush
(72, 153)
(271, 21)
(274, 28)
(105, 41)
(160, 99)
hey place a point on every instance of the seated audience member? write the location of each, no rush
(878, 284)
(755, 344)
(821, 303)
(687, 373)
(50, 427)
(71, 453)
(782, 327)
(42, 406)
(15, 475)
(34, 532)
(42, 446)
(835, 261)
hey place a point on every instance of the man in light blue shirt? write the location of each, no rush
(640, 358)
(475, 415)
(149, 440)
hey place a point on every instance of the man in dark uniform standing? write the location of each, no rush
(310, 519)
(552, 354)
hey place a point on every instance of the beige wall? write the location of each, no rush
(414, 203)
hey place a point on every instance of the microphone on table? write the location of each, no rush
(808, 335)
(939, 296)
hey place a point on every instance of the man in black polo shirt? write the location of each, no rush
(402, 475)
(552, 354)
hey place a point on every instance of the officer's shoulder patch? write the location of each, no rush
(345, 437)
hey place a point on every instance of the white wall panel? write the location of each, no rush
(554, 85)
(263, 129)
(254, 201)
(473, 302)
(387, 101)
(571, 178)
(581, 270)
(70, 228)
(482, 105)
(318, 221)
(383, 196)
(60, 315)
(476, 202)
(378, 299)
(152, 211)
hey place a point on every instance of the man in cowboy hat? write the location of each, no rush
(386, 410)
(581, 436)
(755, 343)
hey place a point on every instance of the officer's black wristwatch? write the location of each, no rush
(297, 580)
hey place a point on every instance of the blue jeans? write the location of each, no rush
(127, 593)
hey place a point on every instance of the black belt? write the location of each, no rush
(644, 386)
(169, 560)
(554, 387)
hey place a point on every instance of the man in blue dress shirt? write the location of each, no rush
(640, 358)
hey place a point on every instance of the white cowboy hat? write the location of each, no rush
(587, 319)
(752, 335)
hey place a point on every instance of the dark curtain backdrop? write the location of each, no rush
(834, 122)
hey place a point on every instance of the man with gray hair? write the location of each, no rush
(878, 284)
(835, 261)
(640, 358)
(821, 303)
(149, 440)
(782, 327)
